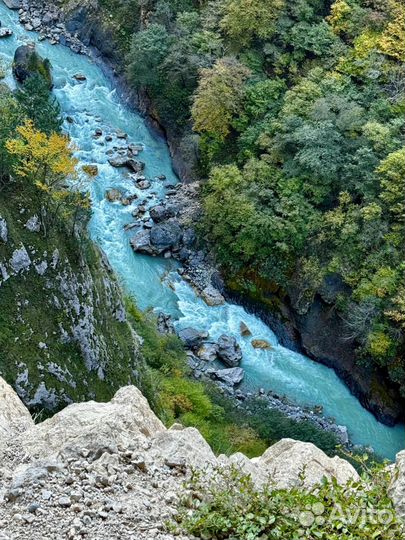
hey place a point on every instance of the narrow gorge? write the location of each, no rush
(99, 124)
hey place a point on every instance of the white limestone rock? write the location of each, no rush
(3, 230)
(397, 491)
(20, 260)
(95, 425)
(286, 461)
(33, 224)
(12, 411)
(182, 447)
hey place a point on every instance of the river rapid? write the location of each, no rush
(154, 282)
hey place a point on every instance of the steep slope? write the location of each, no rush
(63, 330)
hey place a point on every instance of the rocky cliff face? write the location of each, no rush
(63, 330)
(112, 470)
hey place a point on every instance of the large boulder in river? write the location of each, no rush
(208, 352)
(229, 351)
(162, 213)
(260, 344)
(230, 376)
(5, 32)
(244, 329)
(28, 63)
(124, 161)
(165, 236)
(141, 243)
(212, 296)
(191, 337)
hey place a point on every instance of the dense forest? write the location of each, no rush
(297, 109)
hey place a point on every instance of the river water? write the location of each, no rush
(154, 282)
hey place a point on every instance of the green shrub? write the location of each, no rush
(231, 507)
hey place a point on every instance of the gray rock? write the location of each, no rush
(165, 236)
(191, 337)
(134, 149)
(5, 32)
(41, 268)
(162, 213)
(287, 461)
(3, 230)
(165, 324)
(33, 224)
(3, 272)
(229, 351)
(212, 296)
(121, 134)
(64, 501)
(113, 195)
(124, 161)
(397, 488)
(230, 376)
(13, 4)
(144, 184)
(208, 352)
(244, 329)
(189, 237)
(36, 23)
(141, 242)
(80, 77)
(20, 260)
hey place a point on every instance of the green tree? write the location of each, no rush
(245, 19)
(148, 49)
(39, 105)
(219, 97)
(10, 117)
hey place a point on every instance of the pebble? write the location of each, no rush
(64, 501)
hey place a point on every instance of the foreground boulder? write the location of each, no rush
(94, 426)
(397, 491)
(12, 412)
(28, 63)
(229, 351)
(288, 460)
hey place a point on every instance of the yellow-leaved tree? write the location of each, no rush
(392, 41)
(47, 161)
(218, 97)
